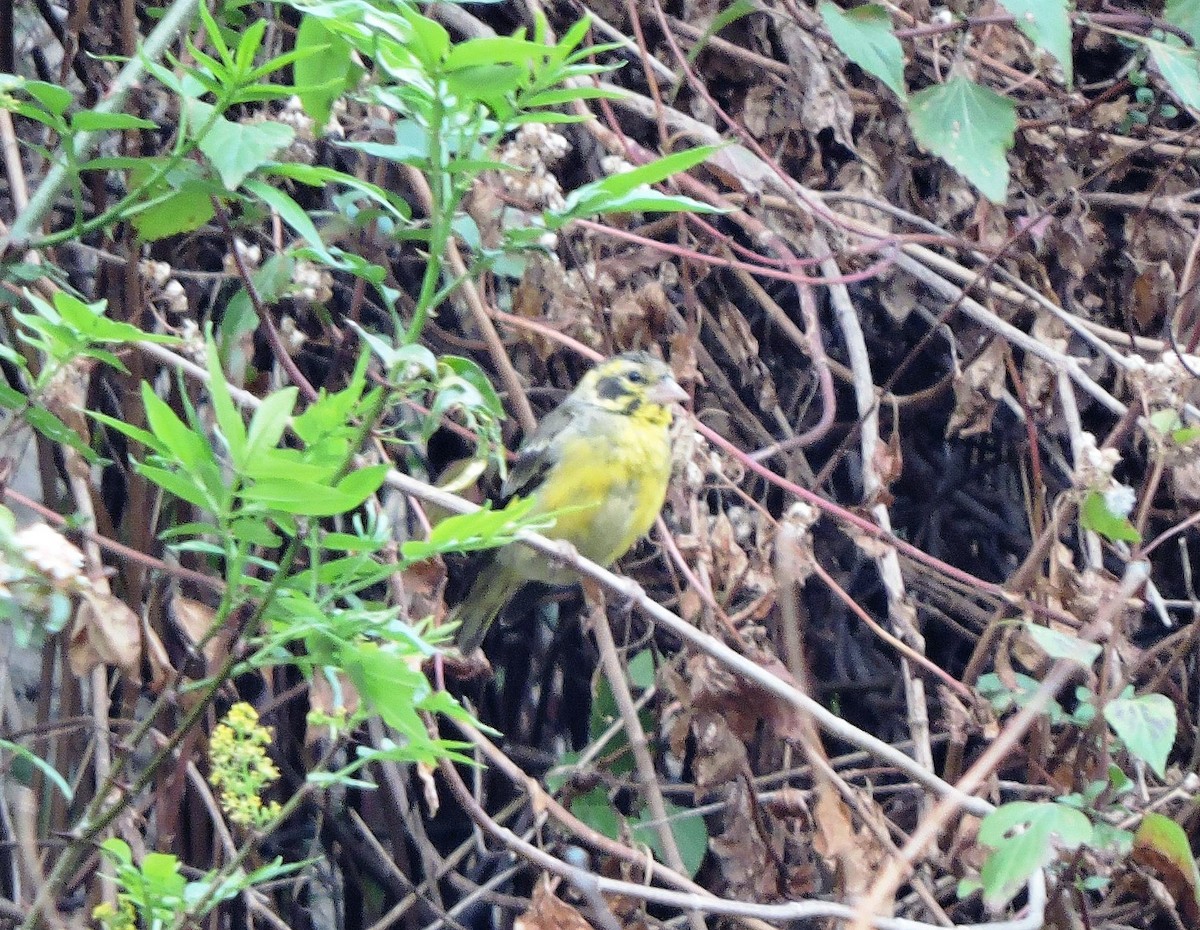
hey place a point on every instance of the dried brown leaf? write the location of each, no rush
(105, 632)
(547, 912)
(977, 389)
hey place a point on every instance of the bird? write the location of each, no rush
(599, 463)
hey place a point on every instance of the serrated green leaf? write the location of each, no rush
(1047, 23)
(1146, 725)
(971, 128)
(864, 35)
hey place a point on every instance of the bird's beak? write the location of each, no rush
(667, 392)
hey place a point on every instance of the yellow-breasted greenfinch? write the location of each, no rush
(600, 463)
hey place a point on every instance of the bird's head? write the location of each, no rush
(635, 384)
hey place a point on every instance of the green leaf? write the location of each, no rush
(1095, 516)
(864, 35)
(391, 683)
(238, 149)
(177, 440)
(230, 426)
(597, 811)
(182, 486)
(363, 482)
(91, 121)
(688, 829)
(1047, 23)
(1186, 15)
(468, 532)
(1180, 68)
(322, 78)
(147, 439)
(1024, 835)
(302, 498)
(179, 202)
(1146, 725)
(1162, 844)
(267, 425)
(90, 321)
(37, 762)
(1062, 645)
(56, 430)
(971, 128)
(293, 215)
(641, 670)
(589, 198)
(54, 98)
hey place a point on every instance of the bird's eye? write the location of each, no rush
(636, 377)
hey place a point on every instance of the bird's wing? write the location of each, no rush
(538, 453)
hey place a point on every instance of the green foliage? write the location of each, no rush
(631, 191)
(969, 126)
(1168, 843)
(1146, 725)
(158, 895)
(864, 34)
(1185, 14)
(1025, 837)
(596, 808)
(1096, 515)
(1047, 24)
(1168, 423)
(1059, 645)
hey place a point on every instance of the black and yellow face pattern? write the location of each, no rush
(634, 384)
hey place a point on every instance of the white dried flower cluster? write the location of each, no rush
(1167, 383)
(51, 555)
(303, 148)
(251, 256)
(175, 296)
(531, 152)
(157, 273)
(1094, 466)
(579, 280)
(615, 164)
(293, 337)
(313, 285)
(194, 346)
(172, 293)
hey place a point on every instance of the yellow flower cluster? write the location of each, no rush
(240, 768)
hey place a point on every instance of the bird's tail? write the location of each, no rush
(489, 592)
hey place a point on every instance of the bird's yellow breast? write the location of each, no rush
(608, 492)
